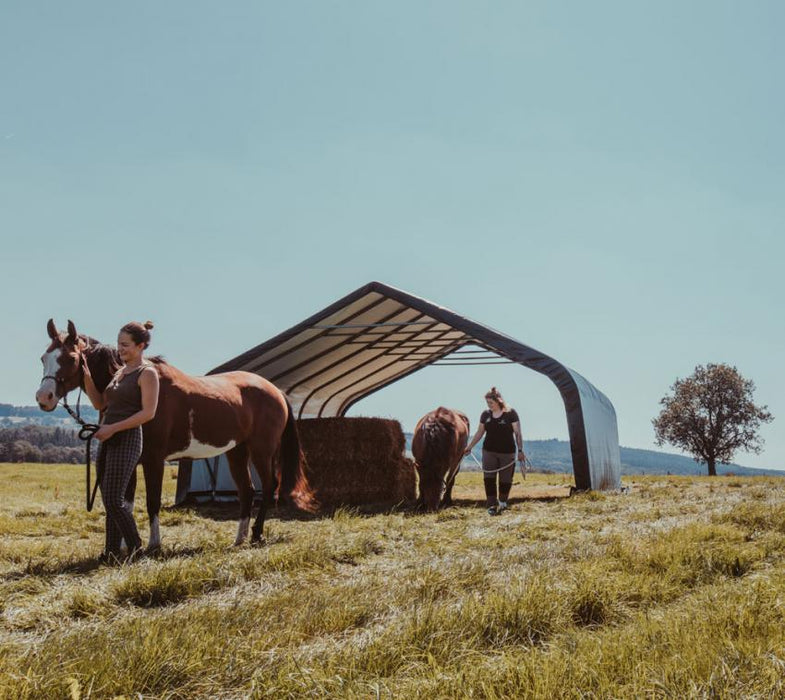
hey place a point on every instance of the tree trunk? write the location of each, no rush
(712, 470)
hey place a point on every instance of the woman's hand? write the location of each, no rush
(96, 397)
(521, 456)
(104, 433)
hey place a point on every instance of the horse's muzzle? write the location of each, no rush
(46, 400)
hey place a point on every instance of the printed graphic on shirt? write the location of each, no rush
(499, 436)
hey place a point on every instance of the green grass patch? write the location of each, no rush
(674, 589)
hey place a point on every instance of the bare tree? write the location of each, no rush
(711, 415)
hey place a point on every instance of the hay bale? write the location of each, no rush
(357, 461)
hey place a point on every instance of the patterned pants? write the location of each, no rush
(118, 458)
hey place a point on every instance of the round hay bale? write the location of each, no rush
(357, 461)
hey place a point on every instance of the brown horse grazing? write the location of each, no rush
(239, 413)
(437, 446)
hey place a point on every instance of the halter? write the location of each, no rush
(86, 433)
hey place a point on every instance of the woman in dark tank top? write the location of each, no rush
(130, 400)
(502, 429)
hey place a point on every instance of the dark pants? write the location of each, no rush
(118, 458)
(491, 462)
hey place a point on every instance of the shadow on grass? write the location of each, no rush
(49, 568)
(223, 512)
(230, 511)
(53, 567)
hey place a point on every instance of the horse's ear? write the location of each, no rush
(71, 332)
(52, 330)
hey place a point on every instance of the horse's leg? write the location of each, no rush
(130, 492)
(447, 498)
(263, 461)
(238, 466)
(153, 466)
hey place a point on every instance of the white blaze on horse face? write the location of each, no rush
(46, 396)
(201, 450)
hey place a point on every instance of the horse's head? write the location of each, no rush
(431, 485)
(62, 366)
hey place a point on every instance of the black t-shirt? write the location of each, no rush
(499, 436)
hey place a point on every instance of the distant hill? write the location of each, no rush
(17, 416)
(545, 455)
(554, 455)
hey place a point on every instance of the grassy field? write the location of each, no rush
(675, 589)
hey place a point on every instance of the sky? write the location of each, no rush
(602, 181)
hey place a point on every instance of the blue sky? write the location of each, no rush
(603, 181)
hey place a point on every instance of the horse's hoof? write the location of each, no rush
(258, 542)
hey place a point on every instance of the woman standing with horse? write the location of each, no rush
(129, 401)
(237, 413)
(502, 429)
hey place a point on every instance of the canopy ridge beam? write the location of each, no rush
(377, 325)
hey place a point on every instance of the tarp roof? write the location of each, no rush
(378, 334)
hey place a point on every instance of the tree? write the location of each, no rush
(711, 415)
(20, 449)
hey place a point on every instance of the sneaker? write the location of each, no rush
(502, 506)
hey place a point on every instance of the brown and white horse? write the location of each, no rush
(239, 413)
(439, 440)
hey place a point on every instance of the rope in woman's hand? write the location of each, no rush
(86, 432)
(500, 469)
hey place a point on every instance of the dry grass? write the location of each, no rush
(674, 589)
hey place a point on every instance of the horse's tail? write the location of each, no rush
(294, 482)
(437, 441)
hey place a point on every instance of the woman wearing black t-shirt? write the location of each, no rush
(502, 429)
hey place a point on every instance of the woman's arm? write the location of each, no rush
(97, 398)
(480, 432)
(148, 383)
(516, 430)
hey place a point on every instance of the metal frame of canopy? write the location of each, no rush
(378, 334)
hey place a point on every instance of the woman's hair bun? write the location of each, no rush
(496, 396)
(148, 325)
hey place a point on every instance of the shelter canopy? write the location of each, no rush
(378, 334)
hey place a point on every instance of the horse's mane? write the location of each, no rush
(102, 360)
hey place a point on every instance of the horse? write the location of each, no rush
(438, 443)
(239, 413)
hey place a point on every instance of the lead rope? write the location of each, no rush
(524, 466)
(86, 433)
